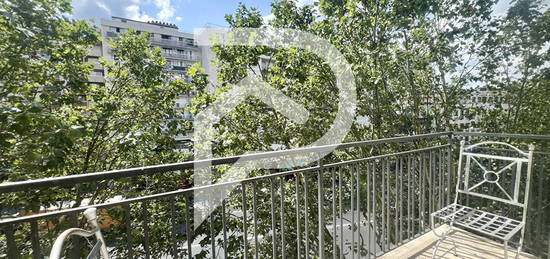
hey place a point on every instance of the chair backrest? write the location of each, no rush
(99, 250)
(480, 171)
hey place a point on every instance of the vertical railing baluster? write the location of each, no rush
(245, 232)
(224, 230)
(76, 251)
(340, 194)
(283, 248)
(321, 201)
(449, 170)
(422, 192)
(188, 227)
(306, 215)
(145, 214)
(431, 183)
(396, 210)
(273, 230)
(374, 212)
(388, 202)
(440, 166)
(400, 199)
(128, 226)
(212, 235)
(173, 233)
(358, 201)
(255, 212)
(352, 214)
(298, 239)
(334, 229)
(414, 167)
(35, 240)
(540, 174)
(10, 240)
(383, 201)
(409, 194)
(369, 215)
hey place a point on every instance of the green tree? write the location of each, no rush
(515, 63)
(54, 123)
(409, 65)
(42, 68)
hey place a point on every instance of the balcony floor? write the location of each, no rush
(470, 246)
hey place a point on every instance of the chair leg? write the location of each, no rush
(442, 237)
(506, 249)
(455, 246)
(436, 247)
(518, 251)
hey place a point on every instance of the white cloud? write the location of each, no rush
(304, 2)
(166, 9)
(134, 12)
(178, 18)
(133, 9)
(268, 18)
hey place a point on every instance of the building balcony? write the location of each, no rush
(181, 56)
(172, 43)
(364, 199)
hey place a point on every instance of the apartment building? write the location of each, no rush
(179, 49)
(481, 99)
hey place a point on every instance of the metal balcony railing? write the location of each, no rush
(180, 56)
(173, 43)
(362, 200)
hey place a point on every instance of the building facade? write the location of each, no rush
(179, 49)
(481, 99)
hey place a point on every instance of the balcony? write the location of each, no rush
(172, 43)
(365, 199)
(180, 56)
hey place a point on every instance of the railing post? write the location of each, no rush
(449, 167)
(35, 240)
(321, 214)
(75, 252)
(12, 247)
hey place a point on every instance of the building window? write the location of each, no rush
(92, 59)
(180, 38)
(117, 29)
(165, 37)
(97, 73)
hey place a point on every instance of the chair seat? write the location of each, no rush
(481, 221)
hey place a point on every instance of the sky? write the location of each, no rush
(186, 14)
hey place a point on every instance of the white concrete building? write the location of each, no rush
(179, 49)
(480, 99)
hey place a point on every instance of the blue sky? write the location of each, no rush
(187, 14)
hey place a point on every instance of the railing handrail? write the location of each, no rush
(130, 172)
(190, 190)
(503, 135)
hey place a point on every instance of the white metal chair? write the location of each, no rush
(484, 222)
(99, 250)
